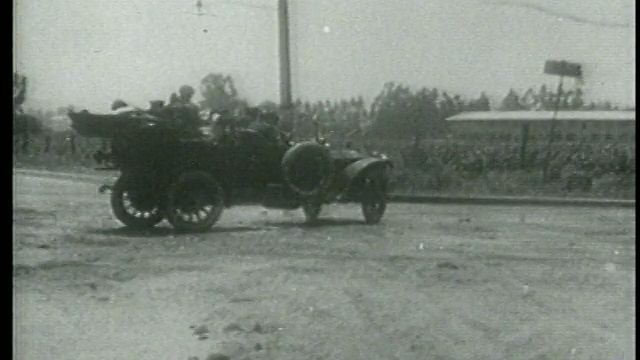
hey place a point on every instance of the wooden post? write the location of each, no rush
(47, 142)
(552, 133)
(25, 141)
(555, 110)
(524, 139)
(72, 141)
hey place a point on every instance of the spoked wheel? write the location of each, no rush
(195, 202)
(374, 200)
(136, 208)
(312, 210)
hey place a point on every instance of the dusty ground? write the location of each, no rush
(430, 282)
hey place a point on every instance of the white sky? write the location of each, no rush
(88, 53)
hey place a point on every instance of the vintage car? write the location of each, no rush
(189, 180)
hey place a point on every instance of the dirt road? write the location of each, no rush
(430, 282)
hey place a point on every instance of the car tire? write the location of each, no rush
(131, 209)
(193, 194)
(374, 200)
(308, 169)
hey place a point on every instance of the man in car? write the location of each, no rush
(186, 111)
(121, 107)
(174, 100)
(266, 125)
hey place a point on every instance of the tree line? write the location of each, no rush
(397, 112)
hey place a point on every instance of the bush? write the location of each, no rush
(442, 166)
(574, 169)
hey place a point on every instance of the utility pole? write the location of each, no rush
(285, 61)
(284, 52)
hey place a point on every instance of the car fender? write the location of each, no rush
(351, 175)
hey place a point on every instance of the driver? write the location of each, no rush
(265, 125)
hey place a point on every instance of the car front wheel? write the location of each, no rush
(374, 200)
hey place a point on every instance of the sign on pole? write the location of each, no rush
(559, 68)
(563, 68)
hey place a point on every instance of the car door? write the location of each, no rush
(259, 157)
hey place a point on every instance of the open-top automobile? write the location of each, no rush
(190, 180)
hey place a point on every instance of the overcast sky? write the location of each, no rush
(88, 53)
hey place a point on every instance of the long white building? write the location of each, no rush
(511, 126)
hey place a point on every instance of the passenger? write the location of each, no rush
(251, 120)
(257, 123)
(156, 106)
(271, 131)
(221, 126)
(174, 100)
(121, 107)
(187, 111)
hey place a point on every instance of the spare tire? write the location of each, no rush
(308, 168)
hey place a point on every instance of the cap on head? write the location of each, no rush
(118, 104)
(186, 91)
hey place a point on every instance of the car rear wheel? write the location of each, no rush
(135, 208)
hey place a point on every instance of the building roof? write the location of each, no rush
(544, 115)
(58, 123)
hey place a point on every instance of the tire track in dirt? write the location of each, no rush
(422, 285)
